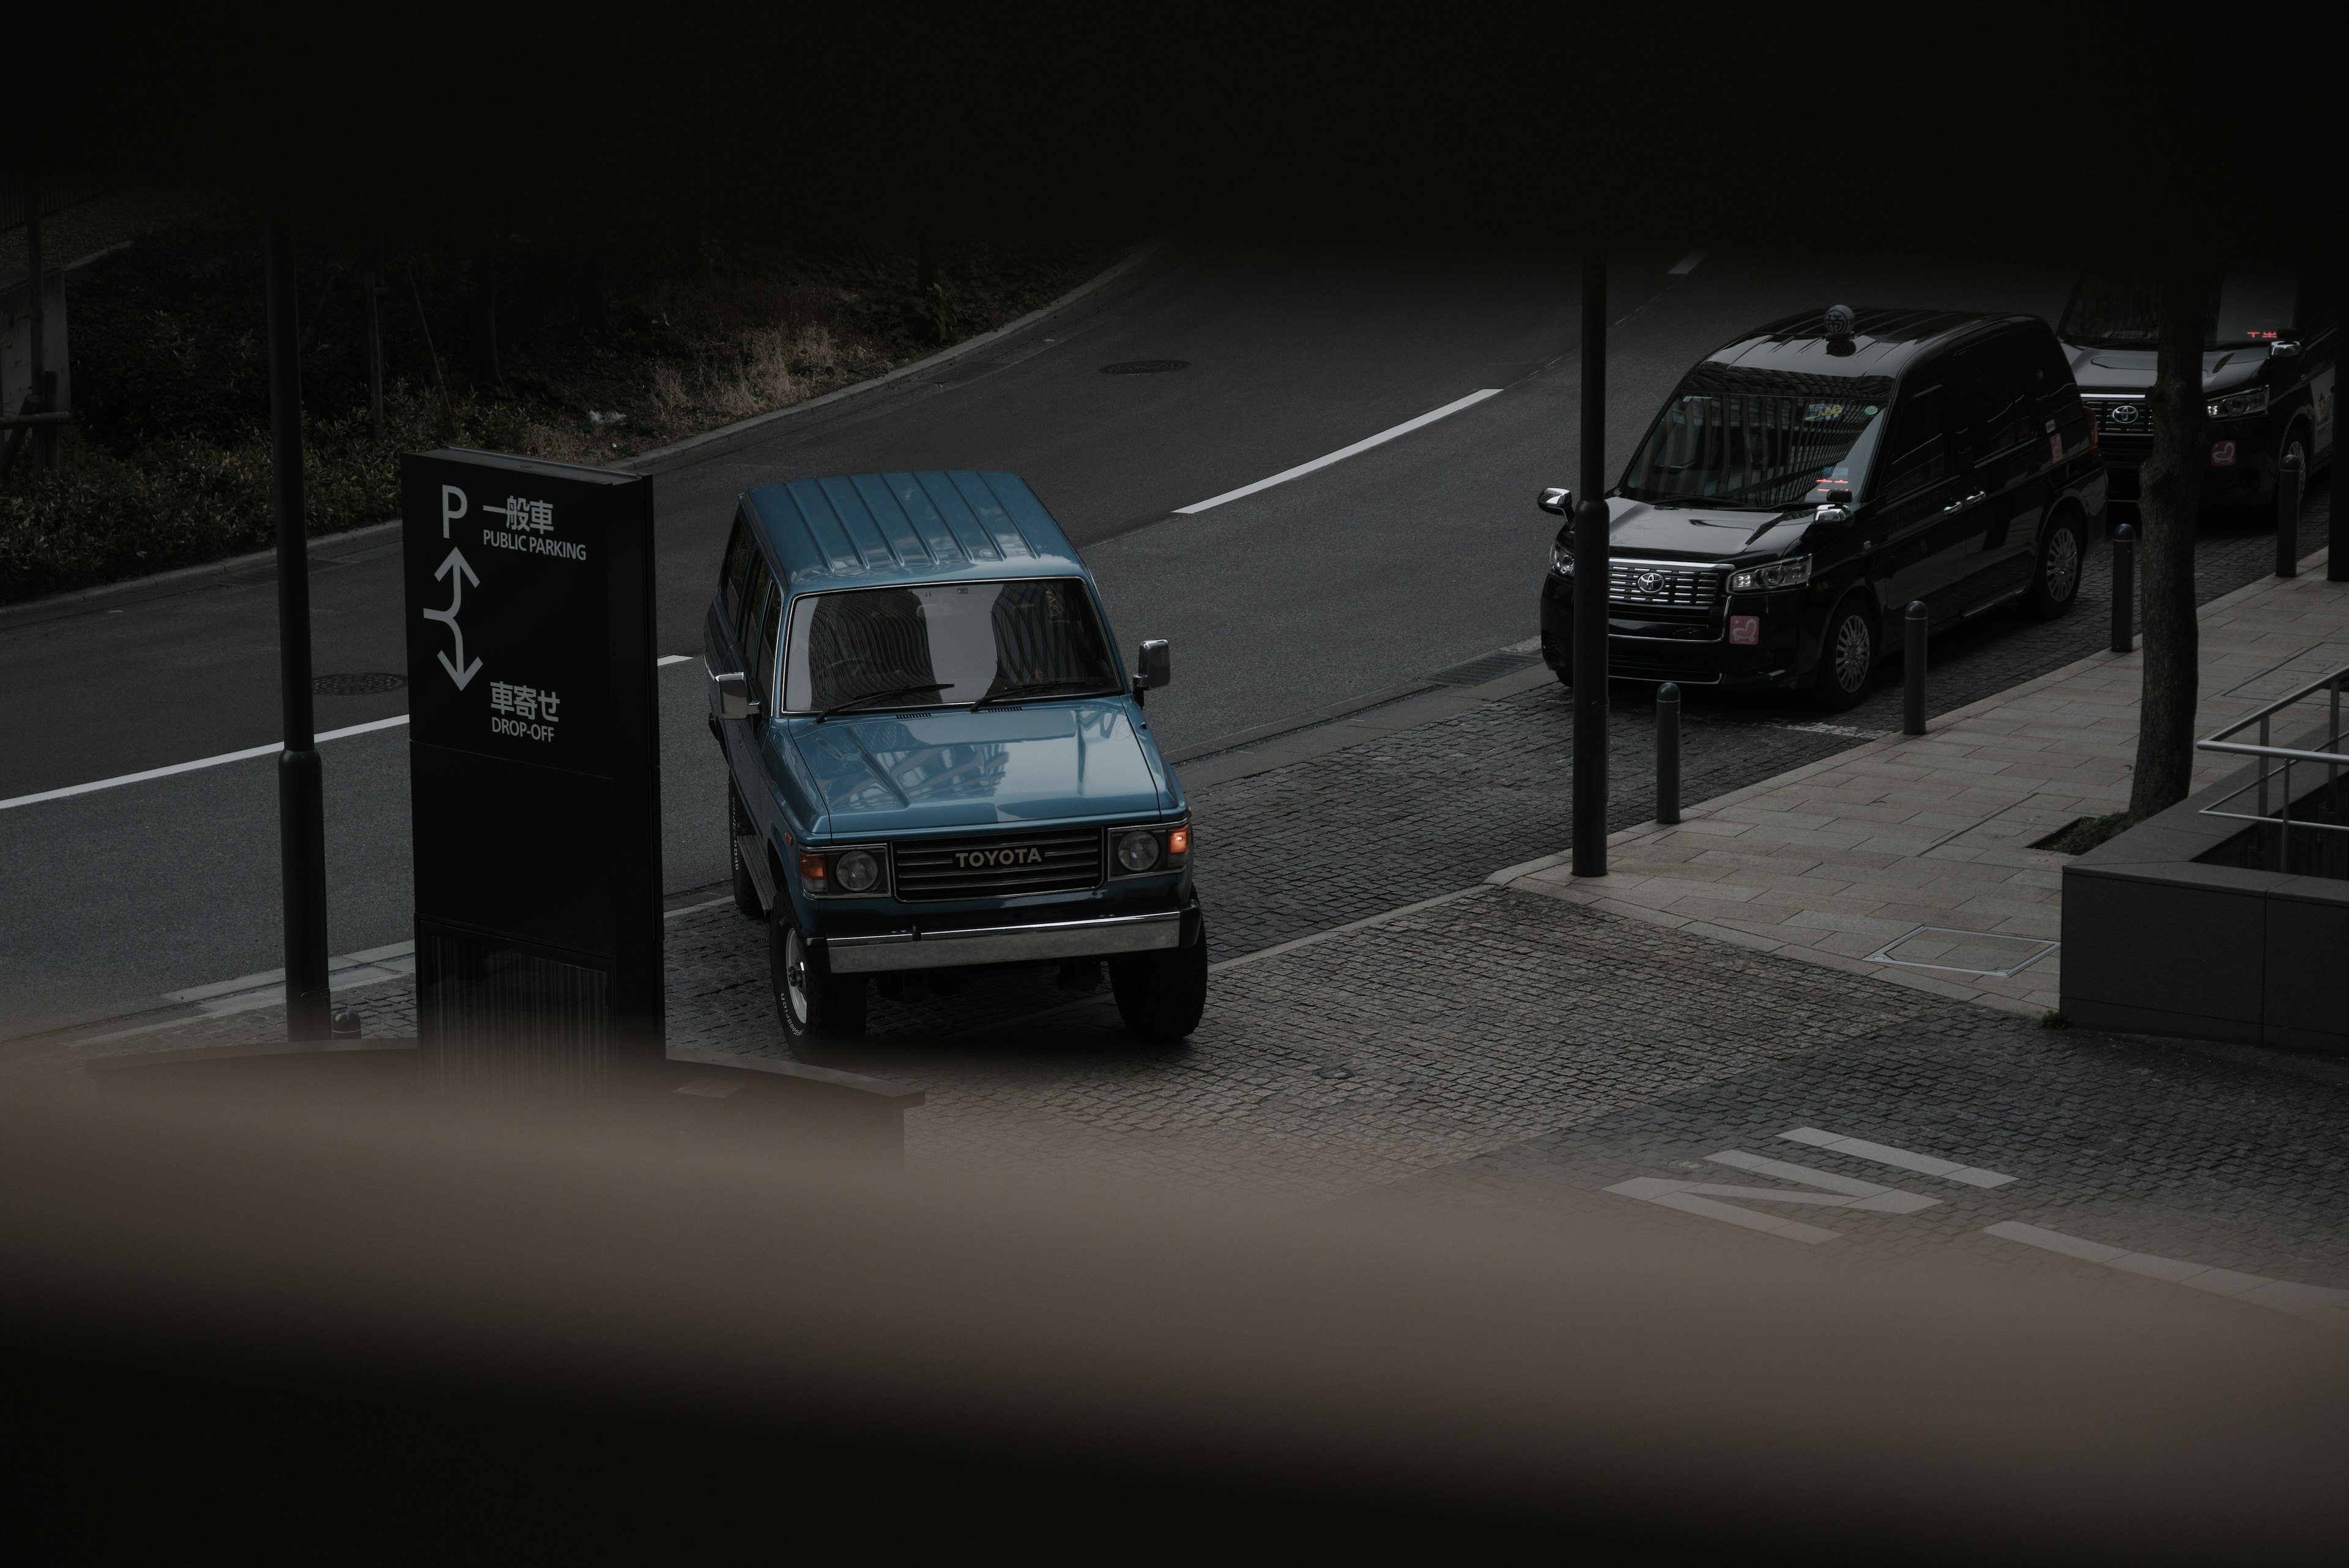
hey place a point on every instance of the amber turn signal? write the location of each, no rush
(810, 866)
(1178, 842)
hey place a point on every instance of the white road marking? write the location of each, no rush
(1835, 1192)
(226, 757)
(2318, 1303)
(1341, 454)
(1885, 1154)
(1687, 264)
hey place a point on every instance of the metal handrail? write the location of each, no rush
(2332, 760)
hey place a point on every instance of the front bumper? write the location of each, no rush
(1689, 653)
(1046, 941)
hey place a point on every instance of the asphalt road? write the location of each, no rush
(1301, 599)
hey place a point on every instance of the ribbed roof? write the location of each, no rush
(1884, 341)
(894, 528)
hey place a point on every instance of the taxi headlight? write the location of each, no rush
(1792, 574)
(1137, 851)
(858, 871)
(2239, 405)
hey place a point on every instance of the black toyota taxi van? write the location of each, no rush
(1806, 483)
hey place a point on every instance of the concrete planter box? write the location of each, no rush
(2156, 943)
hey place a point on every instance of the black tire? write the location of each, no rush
(1161, 996)
(2056, 567)
(2296, 439)
(814, 1004)
(746, 891)
(1847, 655)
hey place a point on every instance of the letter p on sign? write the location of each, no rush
(452, 506)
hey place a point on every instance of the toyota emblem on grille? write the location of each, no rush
(967, 858)
(1649, 582)
(2124, 414)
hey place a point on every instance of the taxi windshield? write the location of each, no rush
(2247, 308)
(945, 644)
(1759, 438)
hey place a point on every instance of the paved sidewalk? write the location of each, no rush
(1909, 858)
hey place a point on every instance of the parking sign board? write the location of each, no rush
(534, 761)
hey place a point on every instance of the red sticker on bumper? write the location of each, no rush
(2222, 454)
(1745, 630)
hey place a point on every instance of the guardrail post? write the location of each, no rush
(2288, 483)
(2123, 588)
(1667, 752)
(1913, 670)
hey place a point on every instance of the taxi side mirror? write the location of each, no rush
(1152, 667)
(1832, 512)
(1555, 500)
(734, 699)
(2283, 348)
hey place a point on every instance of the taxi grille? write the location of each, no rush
(1660, 583)
(1055, 861)
(2126, 421)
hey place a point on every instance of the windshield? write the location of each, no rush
(2120, 312)
(1763, 438)
(946, 643)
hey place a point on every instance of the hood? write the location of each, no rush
(959, 767)
(1698, 533)
(2132, 369)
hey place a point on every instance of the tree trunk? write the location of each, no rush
(2170, 497)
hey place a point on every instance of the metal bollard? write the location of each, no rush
(2123, 588)
(1912, 670)
(1667, 752)
(2289, 480)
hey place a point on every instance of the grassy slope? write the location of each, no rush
(167, 463)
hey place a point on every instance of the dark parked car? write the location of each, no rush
(1808, 479)
(2267, 378)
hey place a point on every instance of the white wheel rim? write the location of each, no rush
(795, 977)
(2063, 564)
(1851, 653)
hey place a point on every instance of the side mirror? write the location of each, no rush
(734, 700)
(2283, 348)
(1832, 512)
(1555, 500)
(1152, 667)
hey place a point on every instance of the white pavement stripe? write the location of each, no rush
(2320, 1304)
(1341, 454)
(225, 757)
(1686, 265)
(1885, 1154)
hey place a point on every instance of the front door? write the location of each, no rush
(1919, 494)
(1997, 439)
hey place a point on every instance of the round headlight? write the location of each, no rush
(1138, 851)
(858, 871)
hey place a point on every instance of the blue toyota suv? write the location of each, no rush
(937, 763)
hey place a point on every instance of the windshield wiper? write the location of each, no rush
(1035, 687)
(882, 697)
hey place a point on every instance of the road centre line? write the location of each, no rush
(1687, 264)
(1885, 1154)
(246, 756)
(1341, 454)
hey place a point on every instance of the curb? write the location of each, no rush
(331, 546)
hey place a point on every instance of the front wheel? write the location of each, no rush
(813, 1003)
(2055, 570)
(1846, 656)
(1161, 995)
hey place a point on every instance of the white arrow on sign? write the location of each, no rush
(459, 670)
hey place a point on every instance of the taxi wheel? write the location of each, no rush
(2055, 570)
(814, 1004)
(746, 892)
(1161, 996)
(1846, 656)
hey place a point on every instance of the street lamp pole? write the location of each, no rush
(1590, 579)
(300, 797)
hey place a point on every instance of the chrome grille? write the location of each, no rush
(1662, 582)
(988, 865)
(2120, 419)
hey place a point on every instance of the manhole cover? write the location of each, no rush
(361, 685)
(1965, 952)
(1331, 1073)
(1144, 367)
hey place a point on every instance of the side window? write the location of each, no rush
(770, 601)
(1994, 403)
(1918, 454)
(736, 572)
(758, 636)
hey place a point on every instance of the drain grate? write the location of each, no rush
(1144, 367)
(1491, 667)
(366, 684)
(1965, 952)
